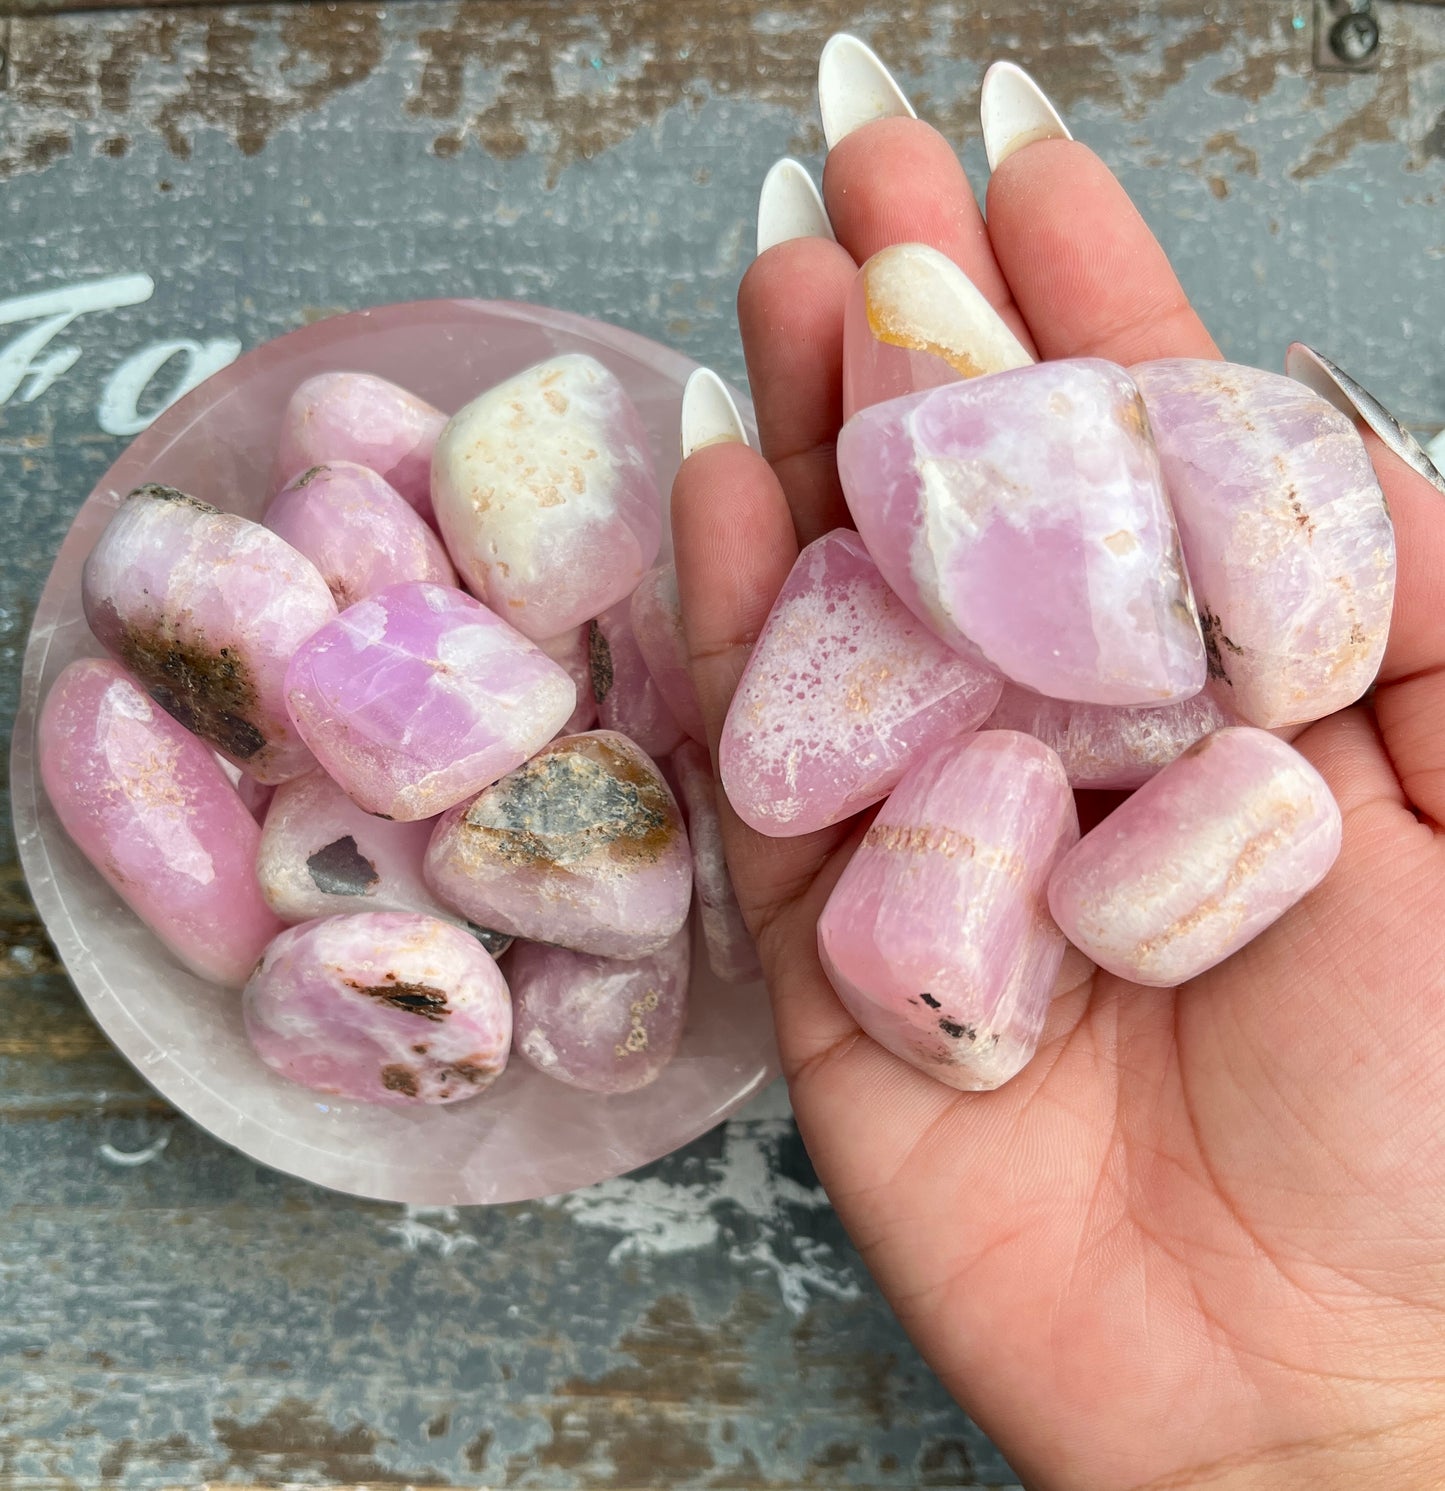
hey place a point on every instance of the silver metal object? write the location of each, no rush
(1347, 36)
(1332, 383)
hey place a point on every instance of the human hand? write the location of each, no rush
(1200, 1240)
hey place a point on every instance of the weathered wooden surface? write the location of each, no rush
(170, 1314)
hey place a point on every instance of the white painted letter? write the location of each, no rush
(119, 411)
(55, 310)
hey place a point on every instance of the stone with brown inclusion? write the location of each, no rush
(583, 846)
(937, 937)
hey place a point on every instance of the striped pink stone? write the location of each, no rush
(1202, 858)
(937, 937)
(1286, 533)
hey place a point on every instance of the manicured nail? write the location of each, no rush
(854, 89)
(789, 206)
(709, 416)
(1334, 385)
(1015, 112)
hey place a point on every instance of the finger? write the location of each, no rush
(790, 313)
(1082, 265)
(1410, 697)
(898, 181)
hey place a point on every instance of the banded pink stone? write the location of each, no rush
(914, 320)
(657, 626)
(731, 952)
(603, 1024)
(1022, 517)
(358, 531)
(1199, 860)
(418, 697)
(150, 807)
(628, 698)
(583, 847)
(362, 418)
(844, 689)
(381, 1007)
(546, 497)
(1285, 531)
(936, 936)
(1110, 746)
(206, 609)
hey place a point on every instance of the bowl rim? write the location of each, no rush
(195, 1099)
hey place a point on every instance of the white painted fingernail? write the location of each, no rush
(709, 416)
(1335, 386)
(1015, 112)
(789, 206)
(854, 88)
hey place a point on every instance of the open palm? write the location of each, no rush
(1200, 1240)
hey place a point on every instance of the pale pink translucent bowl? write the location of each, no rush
(527, 1136)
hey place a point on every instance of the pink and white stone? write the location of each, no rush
(322, 855)
(844, 690)
(583, 847)
(381, 1007)
(358, 531)
(628, 698)
(914, 320)
(603, 1024)
(206, 609)
(1117, 747)
(731, 952)
(573, 651)
(1022, 516)
(545, 494)
(361, 418)
(1199, 860)
(1285, 531)
(150, 807)
(936, 936)
(416, 698)
(657, 626)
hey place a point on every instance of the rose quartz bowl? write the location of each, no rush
(527, 1136)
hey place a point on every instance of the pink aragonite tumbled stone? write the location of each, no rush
(583, 847)
(1199, 860)
(362, 418)
(936, 936)
(1022, 516)
(206, 609)
(657, 626)
(322, 855)
(731, 952)
(415, 698)
(382, 1007)
(1286, 533)
(1111, 746)
(844, 690)
(573, 651)
(603, 1024)
(545, 494)
(150, 807)
(358, 531)
(914, 320)
(628, 698)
